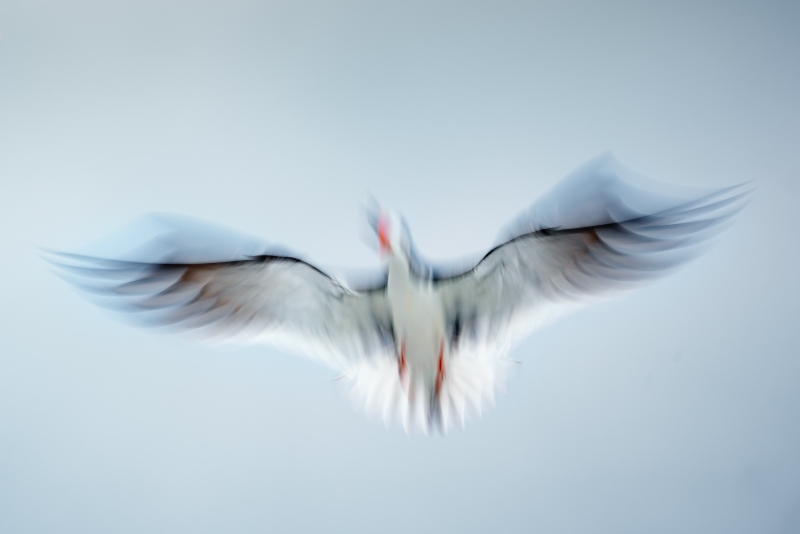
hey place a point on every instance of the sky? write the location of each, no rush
(674, 409)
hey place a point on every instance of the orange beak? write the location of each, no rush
(383, 236)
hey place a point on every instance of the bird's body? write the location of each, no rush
(427, 346)
(418, 323)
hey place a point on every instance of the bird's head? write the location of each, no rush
(392, 234)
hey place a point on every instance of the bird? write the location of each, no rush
(424, 346)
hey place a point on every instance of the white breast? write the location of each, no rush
(418, 322)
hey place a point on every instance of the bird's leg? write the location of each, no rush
(441, 372)
(401, 362)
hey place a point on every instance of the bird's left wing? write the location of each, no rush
(276, 299)
(537, 276)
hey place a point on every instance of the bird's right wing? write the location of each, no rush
(276, 299)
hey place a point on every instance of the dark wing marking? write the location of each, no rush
(514, 284)
(274, 298)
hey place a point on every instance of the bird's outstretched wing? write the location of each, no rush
(277, 299)
(542, 271)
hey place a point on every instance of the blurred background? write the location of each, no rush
(674, 409)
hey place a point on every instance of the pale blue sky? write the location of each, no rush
(671, 410)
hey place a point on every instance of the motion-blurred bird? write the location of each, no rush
(425, 346)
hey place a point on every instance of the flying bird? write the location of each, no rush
(423, 345)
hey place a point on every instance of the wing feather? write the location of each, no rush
(266, 298)
(540, 274)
